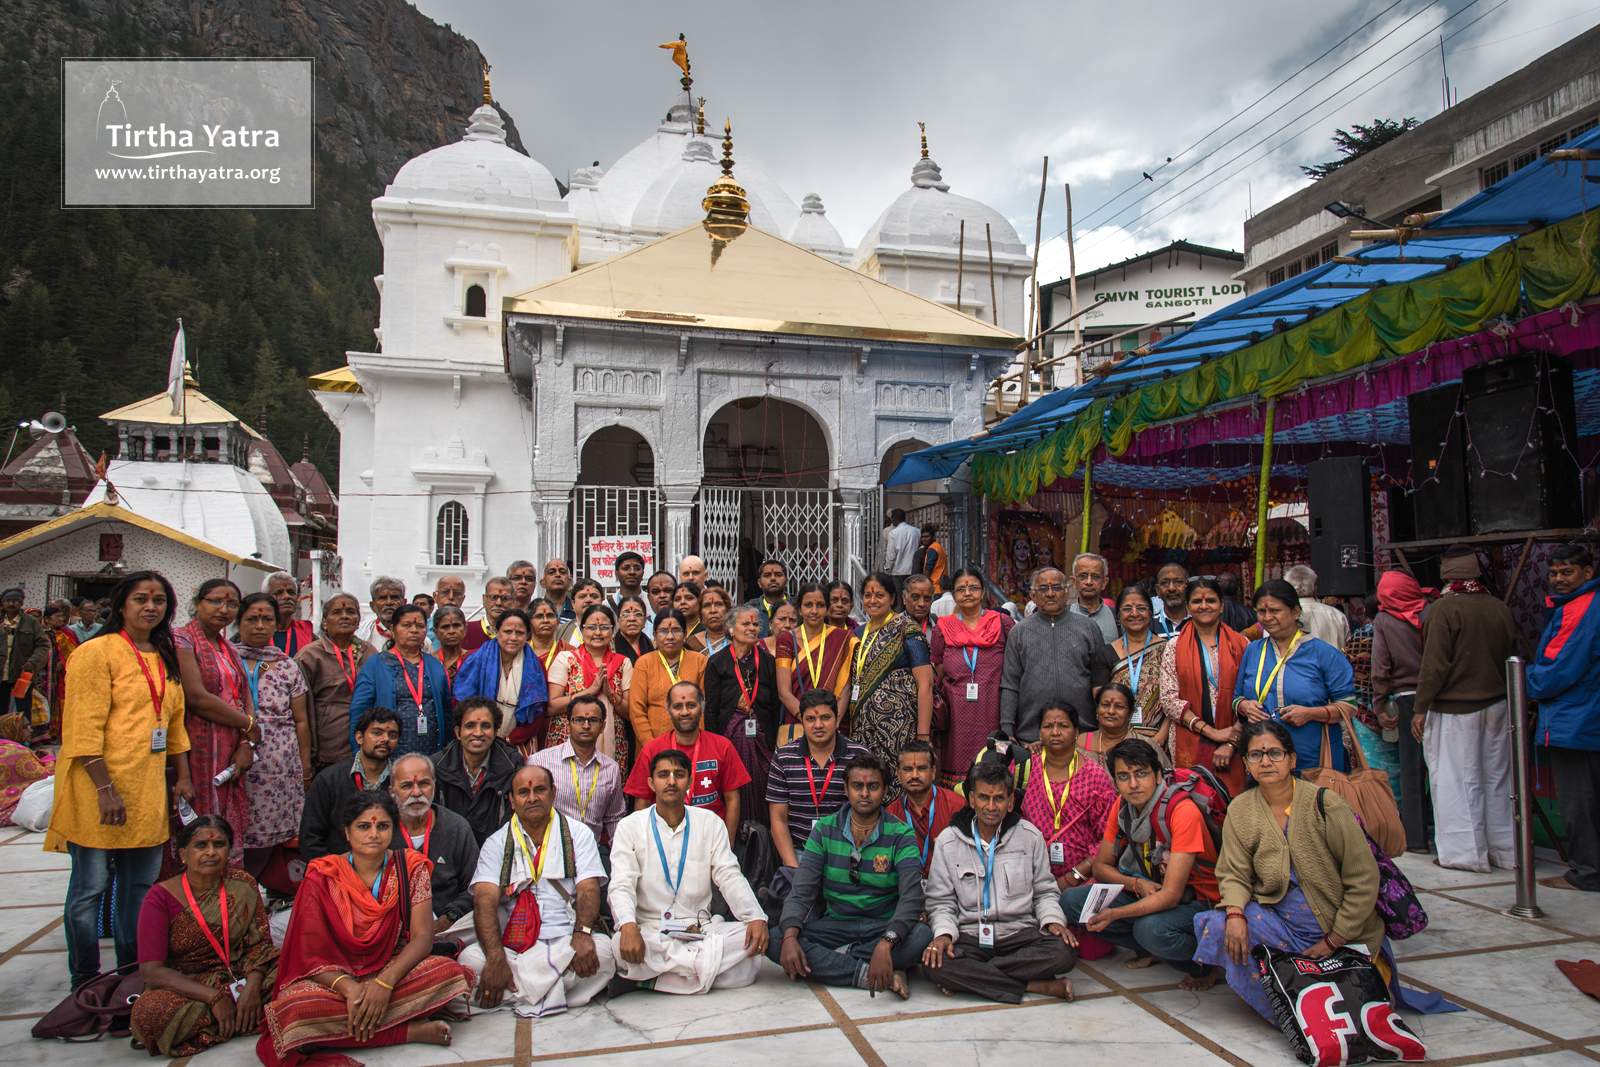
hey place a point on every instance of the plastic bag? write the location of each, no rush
(33, 810)
(1335, 1010)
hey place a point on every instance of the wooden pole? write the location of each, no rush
(1072, 274)
(994, 304)
(1261, 491)
(961, 260)
(1088, 499)
(1038, 322)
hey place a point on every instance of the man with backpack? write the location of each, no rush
(1160, 846)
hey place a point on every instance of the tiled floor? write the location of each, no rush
(1521, 1009)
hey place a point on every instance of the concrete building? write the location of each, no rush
(1436, 166)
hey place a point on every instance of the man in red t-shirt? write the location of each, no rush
(924, 804)
(718, 772)
(1150, 914)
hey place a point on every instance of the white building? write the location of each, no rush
(553, 370)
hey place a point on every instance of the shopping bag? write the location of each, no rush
(1335, 1010)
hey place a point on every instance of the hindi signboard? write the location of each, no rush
(603, 553)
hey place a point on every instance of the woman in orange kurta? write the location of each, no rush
(657, 672)
(121, 726)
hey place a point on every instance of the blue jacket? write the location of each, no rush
(1565, 675)
(479, 676)
(379, 686)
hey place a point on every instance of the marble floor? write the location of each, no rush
(1520, 1009)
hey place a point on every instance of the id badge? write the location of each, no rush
(749, 727)
(986, 935)
(855, 692)
(924, 887)
(422, 724)
(236, 989)
(666, 916)
(1058, 852)
(972, 690)
(158, 739)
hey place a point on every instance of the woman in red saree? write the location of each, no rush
(1197, 676)
(220, 716)
(355, 969)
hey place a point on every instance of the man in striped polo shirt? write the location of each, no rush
(863, 865)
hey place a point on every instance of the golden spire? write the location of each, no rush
(923, 126)
(700, 121)
(486, 99)
(727, 208)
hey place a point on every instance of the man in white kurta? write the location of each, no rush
(555, 859)
(664, 860)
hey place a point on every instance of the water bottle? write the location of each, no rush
(1392, 734)
(226, 775)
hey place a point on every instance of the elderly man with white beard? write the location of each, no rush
(441, 835)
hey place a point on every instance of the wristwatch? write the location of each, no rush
(586, 930)
(891, 937)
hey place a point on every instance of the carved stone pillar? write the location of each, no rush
(852, 566)
(679, 502)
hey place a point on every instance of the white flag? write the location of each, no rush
(175, 372)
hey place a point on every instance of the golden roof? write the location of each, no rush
(103, 512)
(758, 282)
(337, 380)
(197, 410)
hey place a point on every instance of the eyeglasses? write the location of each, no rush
(231, 605)
(1055, 587)
(1134, 609)
(1274, 755)
(597, 628)
(584, 720)
(1089, 577)
(496, 598)
(1141, 774)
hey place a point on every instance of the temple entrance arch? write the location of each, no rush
(766, 494)
(615, 497)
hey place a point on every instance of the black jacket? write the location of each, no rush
(320, 832)
(454, 853)
(487, 810)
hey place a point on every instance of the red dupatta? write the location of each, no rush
(336, 925)
(610, 666)
(1189, 748)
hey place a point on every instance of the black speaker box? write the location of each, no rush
(1438, 466)
(1340, 500)
(1522, 472)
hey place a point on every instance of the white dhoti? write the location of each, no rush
(1469, 772)
(546, 984)
(719, 960)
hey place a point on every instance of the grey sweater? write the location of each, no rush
(1046, 659)
(453, 851)
(1023, 891)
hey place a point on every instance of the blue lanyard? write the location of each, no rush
(377, 883)
(1205, 661)
(988, 862)
(971, 656)
(254, 676)
(683, 857)
(927, 842)
(1136, 666)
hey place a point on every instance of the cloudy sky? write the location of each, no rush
(827, 95)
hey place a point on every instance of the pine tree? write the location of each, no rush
(1358, 141)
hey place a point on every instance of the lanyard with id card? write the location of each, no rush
(861, 657)
(971, 657)
(158, 698)
(985, 927)
(416, 695)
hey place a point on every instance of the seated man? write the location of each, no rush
(441, 835)
(663, 863)
(473, 773)
(588, 782)
(535, 899)
(993, 903)
(1149, 915)
(806, 779)
(863, 866)
(718, 772)
(377, 733)
(928, 807)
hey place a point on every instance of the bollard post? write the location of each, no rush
(1527, 906)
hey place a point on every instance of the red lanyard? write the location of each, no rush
(350, 671)
(205, 927)
(816, 801)
(415, 690)
(225, 668)
(156, 698)
(427, 835)
(750, 693)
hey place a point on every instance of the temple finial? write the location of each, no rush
(923, 126)
(700, 120)
(486, 98)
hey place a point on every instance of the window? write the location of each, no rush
(477, 303)
(1496, 173)
(1275, 276)
(1523, 160)
(1293, 268)
(1330, 250)
(450, 536)
(1585, 127)
(1552, 144)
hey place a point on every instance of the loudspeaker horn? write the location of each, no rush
(53, 422)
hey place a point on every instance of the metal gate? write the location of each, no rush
(613, 511)
(719, 534)
(793, 525)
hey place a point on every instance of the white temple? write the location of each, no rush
(552, 370)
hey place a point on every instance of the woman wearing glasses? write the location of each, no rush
(598, 670)
(220, 716)
(1295, 871)
(1134, 660)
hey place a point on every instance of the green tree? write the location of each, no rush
(1358, 141)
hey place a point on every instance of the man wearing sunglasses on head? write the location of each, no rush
(497, 597)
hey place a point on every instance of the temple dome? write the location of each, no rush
(674, 199)
(927, 218)
(813, 230)
(480, 167)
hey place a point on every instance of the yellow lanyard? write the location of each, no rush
(812, 663)
(861, 648)
(672, 670)
(577, 787)
(535, 868)
(1264, 688)
(550, 657)
(1058, 810)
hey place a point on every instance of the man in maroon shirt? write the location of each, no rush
(497, 598)
(926, 806)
